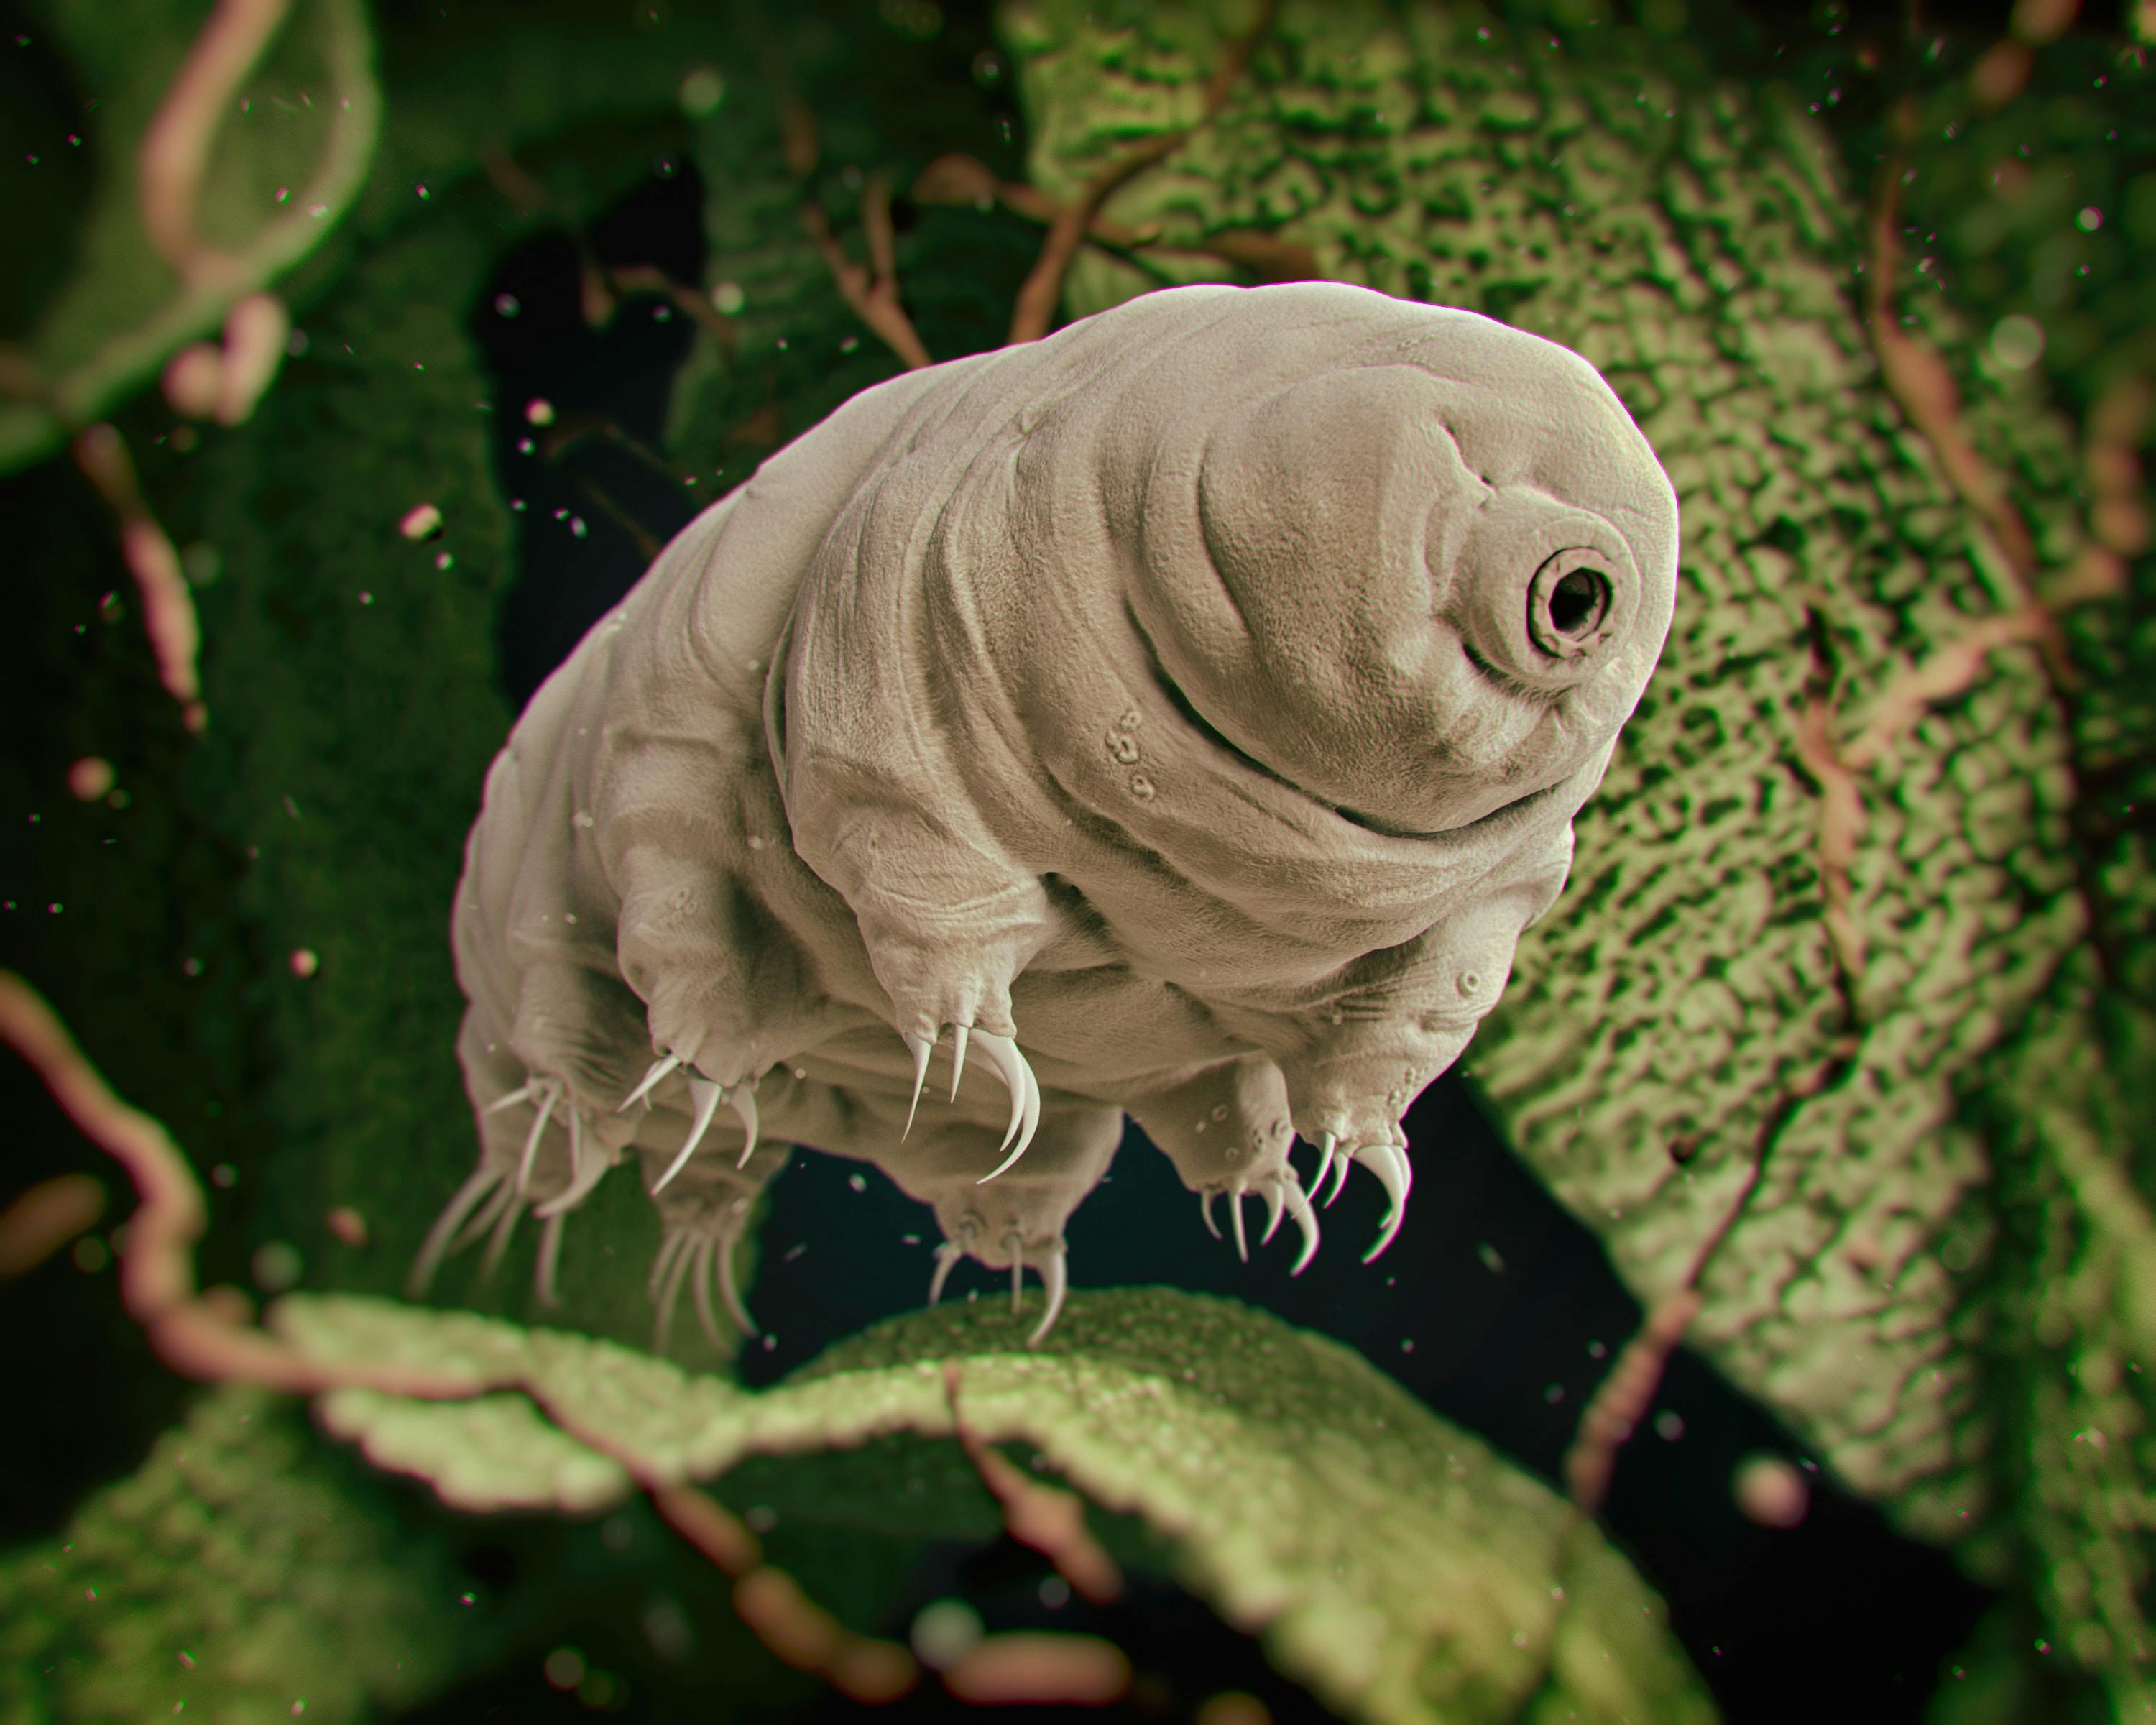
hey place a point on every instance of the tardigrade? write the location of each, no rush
(1181, 716)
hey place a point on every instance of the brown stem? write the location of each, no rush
(176, 145)
(647, 545)
(1042, 289)
(168, 609)
(1040, 1518)
(873, 298)
(196, 1338)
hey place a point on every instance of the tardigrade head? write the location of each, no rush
(1417, 562)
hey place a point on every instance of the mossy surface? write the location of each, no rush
(1394, 1565)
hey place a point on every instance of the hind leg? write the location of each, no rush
(1226, 1130)
(1015, 1218)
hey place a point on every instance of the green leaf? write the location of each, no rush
(239, 1576)
(279, 173)
(1392, 1562)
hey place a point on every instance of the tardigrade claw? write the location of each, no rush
(705, 1097)
(1275, 1187)
(1236, 1220)
(1205, 1210)
(660, 1068)
(918, 1046)
(545, 1278)
(588, 1166)
(1389, 1163)
(1342, 1161)
(1305, 1218)
(1018, 1078)
(742, 1099)
(729, 1290)
(949, 1253)
(1053, 1282)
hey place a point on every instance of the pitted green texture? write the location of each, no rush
(1666, 1021)
(1393, 1563)
(236, 1574)
(278, 176)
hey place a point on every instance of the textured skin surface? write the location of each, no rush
(1395, 1565)
(1186, 696)
(1682, 1053)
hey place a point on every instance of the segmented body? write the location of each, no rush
(1180, 716)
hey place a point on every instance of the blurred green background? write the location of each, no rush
(465, 210)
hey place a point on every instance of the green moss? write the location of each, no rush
(1261, 1457)
(241, 1575)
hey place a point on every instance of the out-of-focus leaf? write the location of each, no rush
(1686, 1054)
(237, 1576)
(1391, 1562)
(279, 173)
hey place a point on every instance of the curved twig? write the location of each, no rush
(1043, 288)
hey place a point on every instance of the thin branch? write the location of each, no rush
(1040, 1518)
(1621, 1401)
(50, 1215)
(647, 544)
(872, 293)
(959, 179)
(1623, 1397)
(176, 145)
(195, 1336)
(168, 609)
(1042, 289)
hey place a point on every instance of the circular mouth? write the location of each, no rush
(1569, 603)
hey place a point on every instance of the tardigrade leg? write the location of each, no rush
(1018, 1218)
(703, 1211)
(1226, 1130)
(544, 1146)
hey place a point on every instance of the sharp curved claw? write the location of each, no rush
(958, 1034)
(1344, 1160)
(1054, 1282)
(1205, 1210)
(918, 1047)
(660, 1068)
(1018, 1077)
(548, 1094)
(700, 1290)
(436, 1245)
(522, 1093)
(947, 1255)
(1390, 1166)
(1235, 1221)
(587, 1167)
(723, 1270)
(669, 1247)
(742, 1099)
(1276, 1205)
(1305, 1218)
(706, 1096)
(671, 1294)
(545, 1279)
(490, 1214)
(498, 1242)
